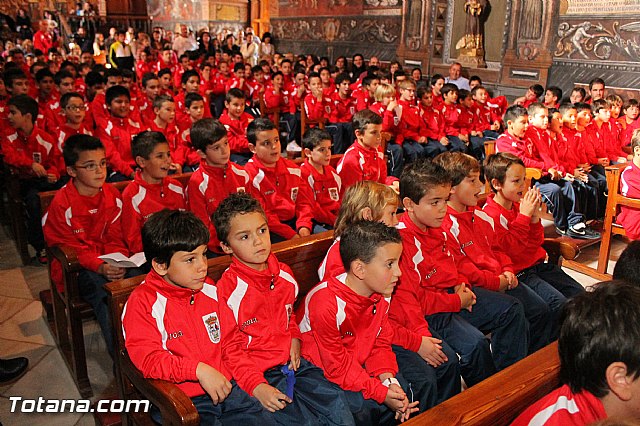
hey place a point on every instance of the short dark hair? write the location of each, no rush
(75, 144)
(360, 241)
(449, 87)
(205, 132)
(169, 231)
(475, 78)
(556, 91)
(164, 71)
(145, 142)
(112, 72)
(596, 80)
(93, 78)
(458, 165)
(599, 104)
(26, 105)
(435, 78)
(582, 106)
(463, 94)
(342, 77)
(238, 66)
(566, 106)
(514, 112)
(496, 166)
(10, 75)
(188, 74)
(628, 265)
(598, 328)
(147, 77)
(114, 92)
(235, 93)
(42, 74)
(363, 118)
(230, 207)
(368, 79)
(64, 100)
(61, 75)
(260, 124)
(191, 98)
(314, 136)
(419, 177)
(537, 89)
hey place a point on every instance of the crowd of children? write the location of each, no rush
(404, 304)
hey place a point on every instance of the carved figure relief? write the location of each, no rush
(589, 41)
(531, 21)
(379, 30)
(472, 38)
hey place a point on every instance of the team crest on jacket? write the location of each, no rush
(333, 194)
(289, 308)
(240, 190)
(396, 120)
(294, 194)
(212, 324)
(37, 158)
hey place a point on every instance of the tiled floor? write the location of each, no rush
(23, 332)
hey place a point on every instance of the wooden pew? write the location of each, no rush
(69, 309)
(498, 400)
(303, 255)
(610, 227)
(565, 250)
(16, 212)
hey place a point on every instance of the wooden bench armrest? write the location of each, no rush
(560, 249)
(498, 400)
(628, 202)
(175, 406)
(533, 173)
(67, 257)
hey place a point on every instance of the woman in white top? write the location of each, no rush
(250, 50)
(267, 50)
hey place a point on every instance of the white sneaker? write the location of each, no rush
(294, 147)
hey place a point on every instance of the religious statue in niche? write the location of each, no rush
(531, 21)
(414, 22)
(471, 44)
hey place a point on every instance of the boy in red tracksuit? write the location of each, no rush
(99, 107)
(629, 217)
(434, 298)
(602, 134)
(165, 109)
(150, 90)
(316, 105)
(487, 121)
(53, 114)
(364, 95)
(178, 299)
(152, 189)
(356, 355)
(34, 155)
(412, 129)
(117, 133)
(74, 111)
(281, 95)
(195, 108)
(261, 292)
(218, 85)
(278, 184)
(437, 141)
(467, 122)
(216, 177)
(458, 138)
(86, 216)
(629, 123)
(471, 233)
(236, 121)
(386, 107)
(190, 84)
(519, 233)
(322, 179)
(343, 106)
(237, 80)
(364, 160)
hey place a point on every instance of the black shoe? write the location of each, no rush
(584, 233)
(12, 369)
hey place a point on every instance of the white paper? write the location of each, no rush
(122, 261)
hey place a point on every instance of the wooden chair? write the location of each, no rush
(272, 113)
(16, 213)
(498, 400)
(303, 255)
(610, 227)
(305, 122)
(69, 309)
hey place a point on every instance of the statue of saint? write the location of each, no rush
(472, 38)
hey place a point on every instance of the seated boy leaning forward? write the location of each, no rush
(357, 354)
(179, 300)
(321, 178)
(277, 182)
(261, 292)
(599, 368)
(86, 216)
(519, 233)
(434, 298)
(629, 217)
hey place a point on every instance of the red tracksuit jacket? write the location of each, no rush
(177, 148)
(483, 116)
(90, 225)
(362, 98)
(627, 130)
(428, 272)
(515, 235)
(544, 147)
(237, 131)
(283, 194)
(262, 305)
(466, 119)
(40, 147)
(411, 126)
(145, 108)
(169, 330)
(342, 110)
(359, 163)
(206, 189)
(629, 217)
(316, 109)
(116, 136)
(349, 336)
(326, 188)
(471, 235)
(571, 149)
(390, 121)
(594, 138)
(283, 100)
(451, 115)
(434, 122)
(523, 149)
(140, 200)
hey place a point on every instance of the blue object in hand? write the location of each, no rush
(291, 379)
